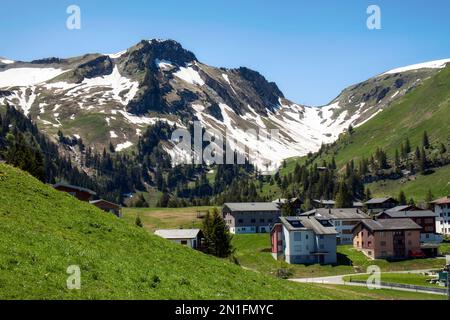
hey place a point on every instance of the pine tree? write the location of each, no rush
(423, 161)
(401, 198)
(217, 236)
(407, 146)
(397, 159)
(138, 221)
(425, 140)
(350, 129)
(443, 149)
(402, 151)
(343, 197)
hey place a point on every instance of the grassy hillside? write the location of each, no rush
(438, 183)
(424, 109)
(43, 231)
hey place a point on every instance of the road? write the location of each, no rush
(338, 280)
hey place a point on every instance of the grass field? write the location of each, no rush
(402, 278)
(438, 183)
(382, 294)
(253, 252)
(165, 218)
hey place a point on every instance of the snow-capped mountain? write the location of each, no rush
(105, 98)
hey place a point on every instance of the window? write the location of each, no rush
(253, 220)
(269, 220)
(306, 236)
(297, 236)
(184, 242)
(261, 220)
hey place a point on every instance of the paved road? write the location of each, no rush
(338, 280)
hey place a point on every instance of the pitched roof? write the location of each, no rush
(379, 200)
(105, 201)
(66, 185)
(308, 223)
(337, 214)
(389, 224)
(177, 233)
(444, 200)
(284, 200)
(409, 214)
(252, 206)
(326, 202)
(402, 208)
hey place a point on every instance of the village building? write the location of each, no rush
(107, 206)
(377, 205)
(442, 210)
(343, 220)
(295, 203)
(387, 238)
(318, 203)
(192, 238)
(424, 218)
(408, 207)
(304, 240)
(80, 193)
(250, 217)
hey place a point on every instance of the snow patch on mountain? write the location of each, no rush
(189, 75)
(6, 61)
(164, 64)
(437, 64)
(117, 55)
(123, 146)
(21, 77)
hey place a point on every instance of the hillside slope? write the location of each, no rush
(424, 109)
(46, 231)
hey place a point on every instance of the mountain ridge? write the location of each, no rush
(160, 80)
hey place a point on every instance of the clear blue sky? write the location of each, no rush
(312, 51)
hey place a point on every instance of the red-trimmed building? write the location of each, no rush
(108, 207)
(80, 193)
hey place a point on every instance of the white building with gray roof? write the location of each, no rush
(250, 217)
(343, 220)
(304, 240)
(189, 237)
